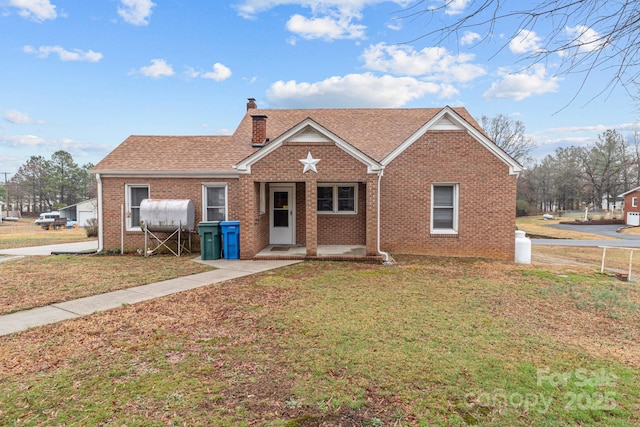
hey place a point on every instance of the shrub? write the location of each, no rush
(92, 227)
(522, 208)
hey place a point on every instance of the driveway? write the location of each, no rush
(607, 231)
(91, 245)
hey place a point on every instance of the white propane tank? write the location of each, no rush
(523, 248)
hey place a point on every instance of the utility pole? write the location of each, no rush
(6, 192)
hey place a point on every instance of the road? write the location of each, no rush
(608, 233)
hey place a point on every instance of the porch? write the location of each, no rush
(325, 253)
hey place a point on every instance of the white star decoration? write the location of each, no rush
(309, 163)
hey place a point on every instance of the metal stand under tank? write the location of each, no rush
(174, 219)
(158, 242)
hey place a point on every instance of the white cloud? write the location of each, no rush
(395, 25)
(220, 72)
(18, 117)
(433, 63)
(469, 38)
(36, 10)
(518, 86)
(158, 68)
(22, 141)
(455, 7)
(329, 20)
(63, 54)
(250, 8)
(353, 90)
(598, 128)
(525, 42)
(136, 12)
(585, 38)
(327, 28)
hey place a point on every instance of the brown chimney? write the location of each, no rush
(259, 135)
(251, 104)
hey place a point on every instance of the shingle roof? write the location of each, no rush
(375, 132)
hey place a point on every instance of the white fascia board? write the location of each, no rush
(245, 165)
(167, 174)
(514, 167)
(628, 192)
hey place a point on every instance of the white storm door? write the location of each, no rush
(282, 215)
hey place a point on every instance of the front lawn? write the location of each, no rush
(38, 281)
(23, 233)
(429, 341)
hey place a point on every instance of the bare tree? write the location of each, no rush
(509, 135)
(603, 165)
(583, 34)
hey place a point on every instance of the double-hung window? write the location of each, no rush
(214, 201)
(134, 195)
(444, 209)
(337, 198)
(634, 202)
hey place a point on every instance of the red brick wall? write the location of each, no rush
(487, 195)
(345, 229)
(486, 199)
(301, 201)
(335, 165)
(113, 194)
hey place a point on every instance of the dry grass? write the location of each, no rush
(24, 233)
(634, 231)
(423, 342)
(616, 259)
(39, 281)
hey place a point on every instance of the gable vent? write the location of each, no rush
(309, 134)
(445, 124)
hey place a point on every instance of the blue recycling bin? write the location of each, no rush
(209, 240)
(230, 239)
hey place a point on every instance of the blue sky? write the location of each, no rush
(81, 76)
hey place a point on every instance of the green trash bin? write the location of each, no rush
(210, 247)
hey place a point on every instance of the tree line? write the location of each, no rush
(578, 177)
(42, 185)
(571, 178)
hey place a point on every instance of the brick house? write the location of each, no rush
(631, 206)
(424, 181)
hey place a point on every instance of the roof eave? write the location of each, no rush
(166, 173)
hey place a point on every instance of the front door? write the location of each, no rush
(282, 215)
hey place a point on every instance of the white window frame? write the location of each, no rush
(634, 202)
(128, 209)
(335, 210)
(455, 208)
(206, 185)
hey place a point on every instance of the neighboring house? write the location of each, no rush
(423, 181)
(613, 205)
(631, 206)
(81, 212)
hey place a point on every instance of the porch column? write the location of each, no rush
(311, 194)
(246, 212)
(372, 215)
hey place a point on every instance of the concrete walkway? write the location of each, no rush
(226, 270)
(87, 246)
